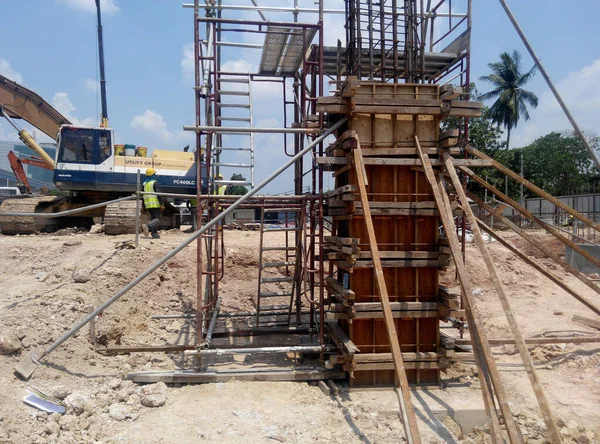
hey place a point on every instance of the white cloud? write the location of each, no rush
(242, 66)
(63, 105)
(187, 61)
(154, 132)
(580, 92)
(7, 71)
(153, 123)
(91, 84)
(106, 6)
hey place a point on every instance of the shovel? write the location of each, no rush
(29, 363)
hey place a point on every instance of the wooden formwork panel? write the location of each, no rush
(389, 183)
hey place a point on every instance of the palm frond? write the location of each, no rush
(529, 97)
(527, 77)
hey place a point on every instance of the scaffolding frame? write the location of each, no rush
(389, 41)
(305, 73)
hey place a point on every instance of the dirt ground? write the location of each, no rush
(40, 299)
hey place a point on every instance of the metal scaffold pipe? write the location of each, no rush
(259, 9)
(213, 321)
(246, 351)
(562, 104)
(68, 212)
(36, 355)
(246, 130)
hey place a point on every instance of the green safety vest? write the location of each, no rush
(193, 202)
(150, 200)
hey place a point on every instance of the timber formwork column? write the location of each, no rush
(383, 122)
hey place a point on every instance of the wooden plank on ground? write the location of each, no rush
(594, 323)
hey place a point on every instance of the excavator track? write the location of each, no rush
(119, 218)
(28, 225)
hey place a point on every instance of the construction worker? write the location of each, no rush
(220, 188)
(152, 204)
(568, 221)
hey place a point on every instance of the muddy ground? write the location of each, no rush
(48, 282)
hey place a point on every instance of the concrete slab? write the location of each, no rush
(432, 405)
(579, 262)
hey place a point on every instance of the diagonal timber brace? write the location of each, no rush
(510, 316)
(506, 221)
(483, 353)
(530, 215)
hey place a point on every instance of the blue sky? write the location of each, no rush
(149, 69)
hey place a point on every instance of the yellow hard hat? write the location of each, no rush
(150, 172)
(219, 176)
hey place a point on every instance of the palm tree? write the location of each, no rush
(512, 99)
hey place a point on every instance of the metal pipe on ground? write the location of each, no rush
(31, 360)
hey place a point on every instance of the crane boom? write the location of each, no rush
(102, 77)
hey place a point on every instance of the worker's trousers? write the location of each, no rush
(154, 214)
(193, 211)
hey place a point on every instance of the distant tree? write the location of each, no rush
(484, 133)
(560, 164)
(511, 99)
(486, 136)
(237, 190)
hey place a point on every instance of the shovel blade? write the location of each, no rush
(28, 363)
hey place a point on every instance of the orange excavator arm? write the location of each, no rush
(19, 172)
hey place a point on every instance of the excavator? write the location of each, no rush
(89, 166)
